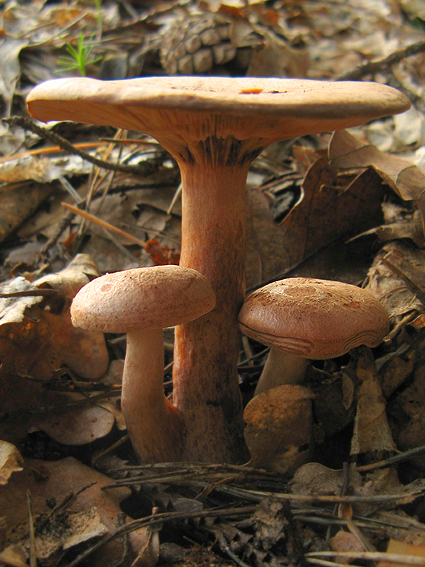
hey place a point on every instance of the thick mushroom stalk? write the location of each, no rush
(214, 127)
(206, 350)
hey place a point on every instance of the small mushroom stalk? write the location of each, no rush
(281, 368)
(153, 424)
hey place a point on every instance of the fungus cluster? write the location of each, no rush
(214, 128)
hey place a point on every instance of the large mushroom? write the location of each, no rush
(214, 127)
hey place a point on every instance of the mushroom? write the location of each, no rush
(214, 127)
(307, 318)
(141, 302)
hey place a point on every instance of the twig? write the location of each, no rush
(392, 460)
(33, 558)
(371, 67)
(157, 519)
(30, 293)
(103, 224)
(63, 504)
(233, 556)
(258, 496)
(145, 169)
(370, 556)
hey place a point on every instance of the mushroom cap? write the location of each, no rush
(156, 297)
(313, 318)
(271, 109)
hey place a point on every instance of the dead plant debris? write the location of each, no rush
(347, 206)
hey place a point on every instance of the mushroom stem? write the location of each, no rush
(152, 421)
(206, 390)
(281, 368)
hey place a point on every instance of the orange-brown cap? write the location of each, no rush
(157, 297)
(313, 318)
(200, 107)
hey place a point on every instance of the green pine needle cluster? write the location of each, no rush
(80, 56)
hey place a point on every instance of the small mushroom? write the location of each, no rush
(214, 127)
(307, 318)
(141, 302)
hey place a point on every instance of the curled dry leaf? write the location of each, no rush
(278, 430)
(10, 461)
(323, 214)
(405, 178)
(410, 228)
(397, 279)
(372, 432)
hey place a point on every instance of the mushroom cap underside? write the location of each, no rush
(153, 297)
(200, 107)
(317, 319)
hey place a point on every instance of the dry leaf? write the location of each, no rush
(278, 431)
(10, 70)
(371, 433)
(14, 556)
(396, 278)
(407, 180)
(396, 372)
(344, 541)
(36, 339)
(93, 512)
(314, 478)
(75, 426)
(270, 523)
(276, 58)
(323, 214)
(10, 461)
(20, 203)
(402, 548)
(408, 415)
(145, 544)
(407, 228)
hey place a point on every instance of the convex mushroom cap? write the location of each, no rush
(142, 298)
(313, 318)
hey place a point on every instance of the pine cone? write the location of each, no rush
(195, 44)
